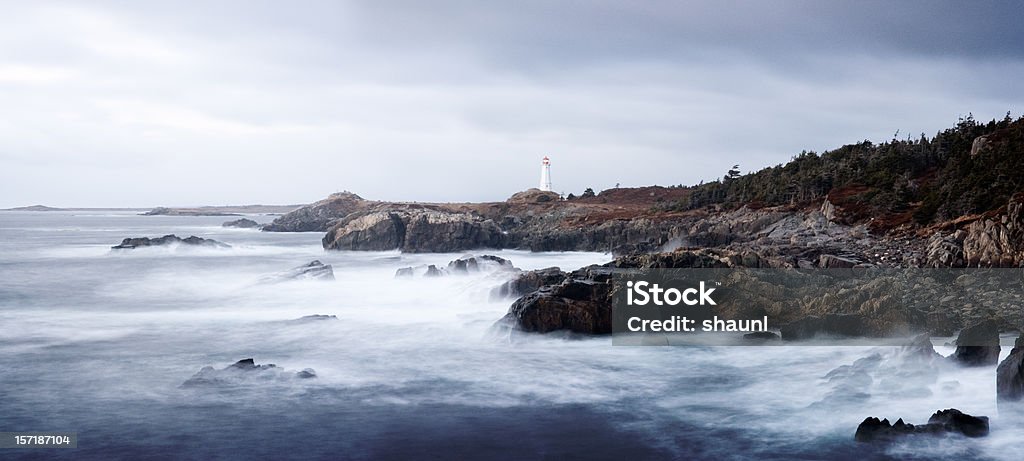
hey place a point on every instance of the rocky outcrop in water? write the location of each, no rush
(528, 282)
(171, 239)
(414, 231)
(581, 303)
(314, 270)
(978, 345)
(244, 371)
(1010, 375)
(943, 422)
(319, 216)
(243, 223)
(468, 264)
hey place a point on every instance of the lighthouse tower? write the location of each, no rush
(545, 174)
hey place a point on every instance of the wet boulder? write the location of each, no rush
(582, 303)
(528, 282)
(943, 422)
(483, 263)
(242, 372)
(978, 345)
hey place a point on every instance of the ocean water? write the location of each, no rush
(100, 342)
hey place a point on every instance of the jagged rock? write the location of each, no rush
(315, 270)
(849, 325)
(950, 421)
(978, 345)
(579, 304)
(1010, 375)
(487, 263)
(945, 250)
(243, 223)
(433, 271)
(241, 372)
(404, 272)
(528, 282)
(920, 348)
(319, 216)
(170, 239)
(997, 241)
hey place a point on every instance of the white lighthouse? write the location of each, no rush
(545, 174)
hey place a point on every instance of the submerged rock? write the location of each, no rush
(243, 371)
(1010, 375)
(978, 345)
(467, 264)
(314, 318)
(170, 239)
(951, 421)
(244, 223)
(314, 270)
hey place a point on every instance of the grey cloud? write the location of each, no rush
(132, 103)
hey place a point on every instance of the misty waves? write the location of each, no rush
(104, 342)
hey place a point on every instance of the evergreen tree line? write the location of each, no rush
(935, 179)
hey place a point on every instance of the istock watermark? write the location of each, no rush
(804, 306)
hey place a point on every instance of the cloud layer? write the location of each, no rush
(129, 104)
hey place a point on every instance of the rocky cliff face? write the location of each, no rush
(414, 231)
(992, 240)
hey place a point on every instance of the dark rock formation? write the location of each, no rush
(528, 282)
(1010, 375)
(465, 265)
(978, 345)
(580, 304)
(319, 216)
(483, 263)
(951, 421)
(314, 270)
(241, 372)
(171, 239)
(244, 223)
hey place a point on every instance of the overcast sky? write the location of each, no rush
(189, 103)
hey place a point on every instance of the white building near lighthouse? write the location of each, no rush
(545, 174)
